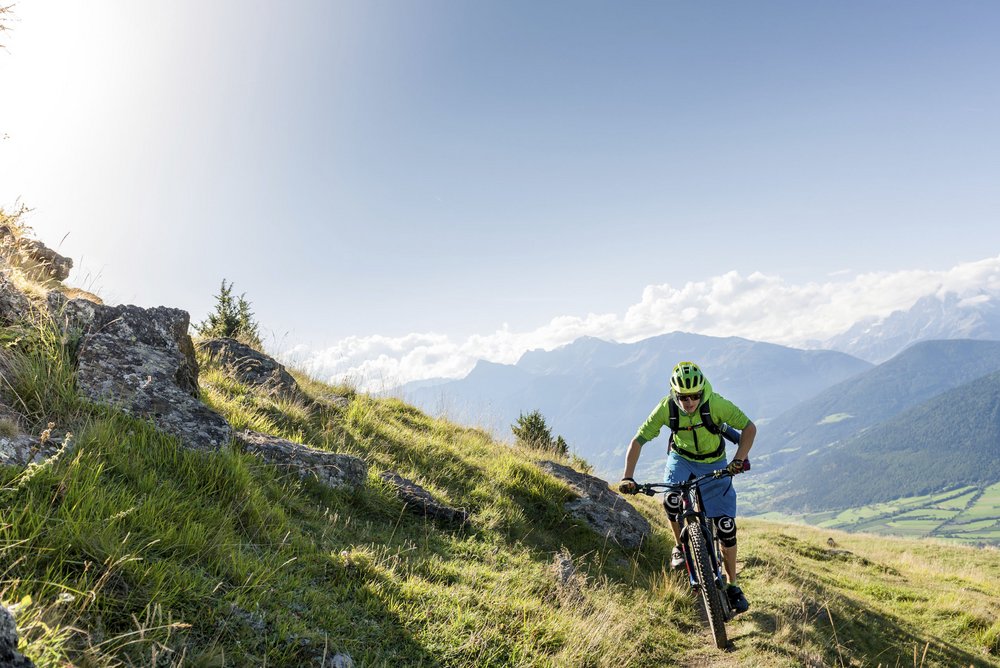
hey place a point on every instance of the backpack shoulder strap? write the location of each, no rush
(706, 422)
(673, 421)
(706, 419)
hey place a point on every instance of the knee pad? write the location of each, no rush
(672, 504)
(725, 528)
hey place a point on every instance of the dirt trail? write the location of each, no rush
(704, 654)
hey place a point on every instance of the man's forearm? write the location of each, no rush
(632, 457)
(746, 441)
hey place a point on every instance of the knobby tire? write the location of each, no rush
(710, 593)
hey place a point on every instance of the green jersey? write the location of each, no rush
(697, 440)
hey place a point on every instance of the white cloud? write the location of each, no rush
(759, 306)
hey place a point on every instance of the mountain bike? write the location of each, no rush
(702, 550)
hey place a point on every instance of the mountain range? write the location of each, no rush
(926, 421)
(949, 316)
(596, 393)
(863, 401)
(828, 420)
(945, 443)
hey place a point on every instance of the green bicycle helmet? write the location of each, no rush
(687, 378)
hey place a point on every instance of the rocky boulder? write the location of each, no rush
(251, 366)
(21, 450)
(141, 361)
(569, 581)
(35, 258)
(331, 469)
(602, 510)
(45, 262)
(9, 656)
(335, 400)
(14, 305)
(9, 418)
(419, 501)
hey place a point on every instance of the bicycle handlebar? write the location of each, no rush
(651, 488)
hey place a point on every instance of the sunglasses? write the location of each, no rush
(689, 397)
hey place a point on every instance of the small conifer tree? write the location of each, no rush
(531, 431)
(246, 325)
(232, 318)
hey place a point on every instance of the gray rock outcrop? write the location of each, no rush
(569, 581)
(14, 305)
(251, 366)
(9, 656)
(39, 260)
(18, 448)
(331, 469)
(335, 400)
(48, 263)
(419, 501)
(142, 361)
(564, 568)
(21, 450)
(604, 511)
(8, 416)
(339, 660)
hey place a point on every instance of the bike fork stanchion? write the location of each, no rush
(686, 550)
(718, 561)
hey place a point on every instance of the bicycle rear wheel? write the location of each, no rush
(710, 594)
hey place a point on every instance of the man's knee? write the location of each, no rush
(672, 504)
(725, 527)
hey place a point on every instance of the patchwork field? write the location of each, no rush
(968, 514)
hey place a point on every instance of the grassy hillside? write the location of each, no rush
(127, 550)
(865, 600)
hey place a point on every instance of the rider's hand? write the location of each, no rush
(736, 466)
(628, 486)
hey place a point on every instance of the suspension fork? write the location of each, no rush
(687, 518)
(714, 552)
(711, 544)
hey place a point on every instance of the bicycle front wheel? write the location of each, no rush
(710, 594)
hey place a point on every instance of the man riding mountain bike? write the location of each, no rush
(694, 413)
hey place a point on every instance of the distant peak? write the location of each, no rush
(486, 364)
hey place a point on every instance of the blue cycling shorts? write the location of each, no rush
(719, 496)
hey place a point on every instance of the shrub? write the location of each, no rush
(232, 318)
(531, 431)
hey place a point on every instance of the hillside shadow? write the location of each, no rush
(425, 461)
(848, 628)
(381, 637)
(377, 550)
(856, 634)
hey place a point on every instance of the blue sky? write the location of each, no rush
(402, 187)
